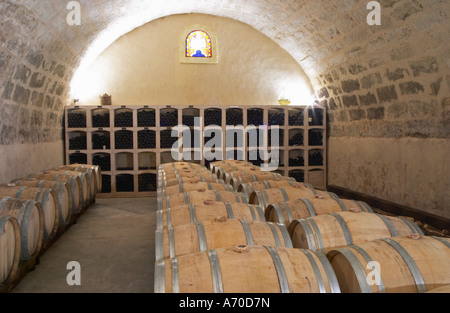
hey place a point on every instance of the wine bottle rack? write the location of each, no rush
(130, 142)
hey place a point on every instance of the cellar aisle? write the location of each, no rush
(114, 244)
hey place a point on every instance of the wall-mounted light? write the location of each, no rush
(75, 101)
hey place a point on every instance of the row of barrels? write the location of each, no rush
(35, 210)
(282, 236)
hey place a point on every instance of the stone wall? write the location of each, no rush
(389, 109)
(34, 85)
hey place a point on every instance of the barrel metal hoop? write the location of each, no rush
(420, 283)
(248, 233)
(159, 219)
(285, 196)
(266, 184)
(345, 229)
(310, 207)
(262, 218)
(443, 241)
(413, 226)
(329, 272)
(192, 213)
(19, 193)
(181, 187)
(333, 196)
(275, 234)
(366, 256)
(216, 271)
(316, 270)
(175, 275)
(358, 269)
(260, 199)
(266, 198)
(169, 218)
(187, 200)
(279, 267)
(309, 234)
(160, 277)
(2, 202)
(288, 211)
(171, 242)
(254, 177)
(218, 196)
(317, 233)
(210, 186)
(388, 225)
(201, 236)
(362, 208)
(368, 208)
(279, 212)
(341, 204)
(243, 199)
(286, 237)
(229, 210)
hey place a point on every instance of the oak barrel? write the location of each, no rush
(287, 212)
(335, 230)
(186, 187)
(62, 190)
(213, 166)
(9, 249)
(250, 187)
(46, 197)
(223, 170)
(403, 265)
(218, 233)
(444, 289)
(92, 175)
(207, 177)
(264, 198)
(30, 216)
(238, 178)
(85, 184)
(244, 269)
(74, 183)
(193, 213)
(200, 196)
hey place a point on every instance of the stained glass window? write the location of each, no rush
(198, 45)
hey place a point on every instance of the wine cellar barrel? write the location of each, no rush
(214, 166)
(244, 269)
(335, 230)
(85, 184)
(163, 183)
(94, 174)
(413, 264)
(9, 249)
(47, 199)
(207, 235)
(264, 198)
(30, 216)
(249, 188)
(208, 210)
(186, 187)
(200, 196)
(62, 190)
(287, 212)
(238, 178)
(222, 170)
(74, 183)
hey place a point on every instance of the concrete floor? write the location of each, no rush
(114, 244)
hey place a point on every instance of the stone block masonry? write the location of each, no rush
(34, 78)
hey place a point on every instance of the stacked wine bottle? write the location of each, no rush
(146, 139)
(76, 120)
(213, 117)
(297, 119)
(124, 140)
(147, 118)
(296, 140)
(101, 141)
(123, 119)
(100, 119)
(315, 159)
(315, 138)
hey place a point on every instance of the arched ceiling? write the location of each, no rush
(321, 35)
(306, 29)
